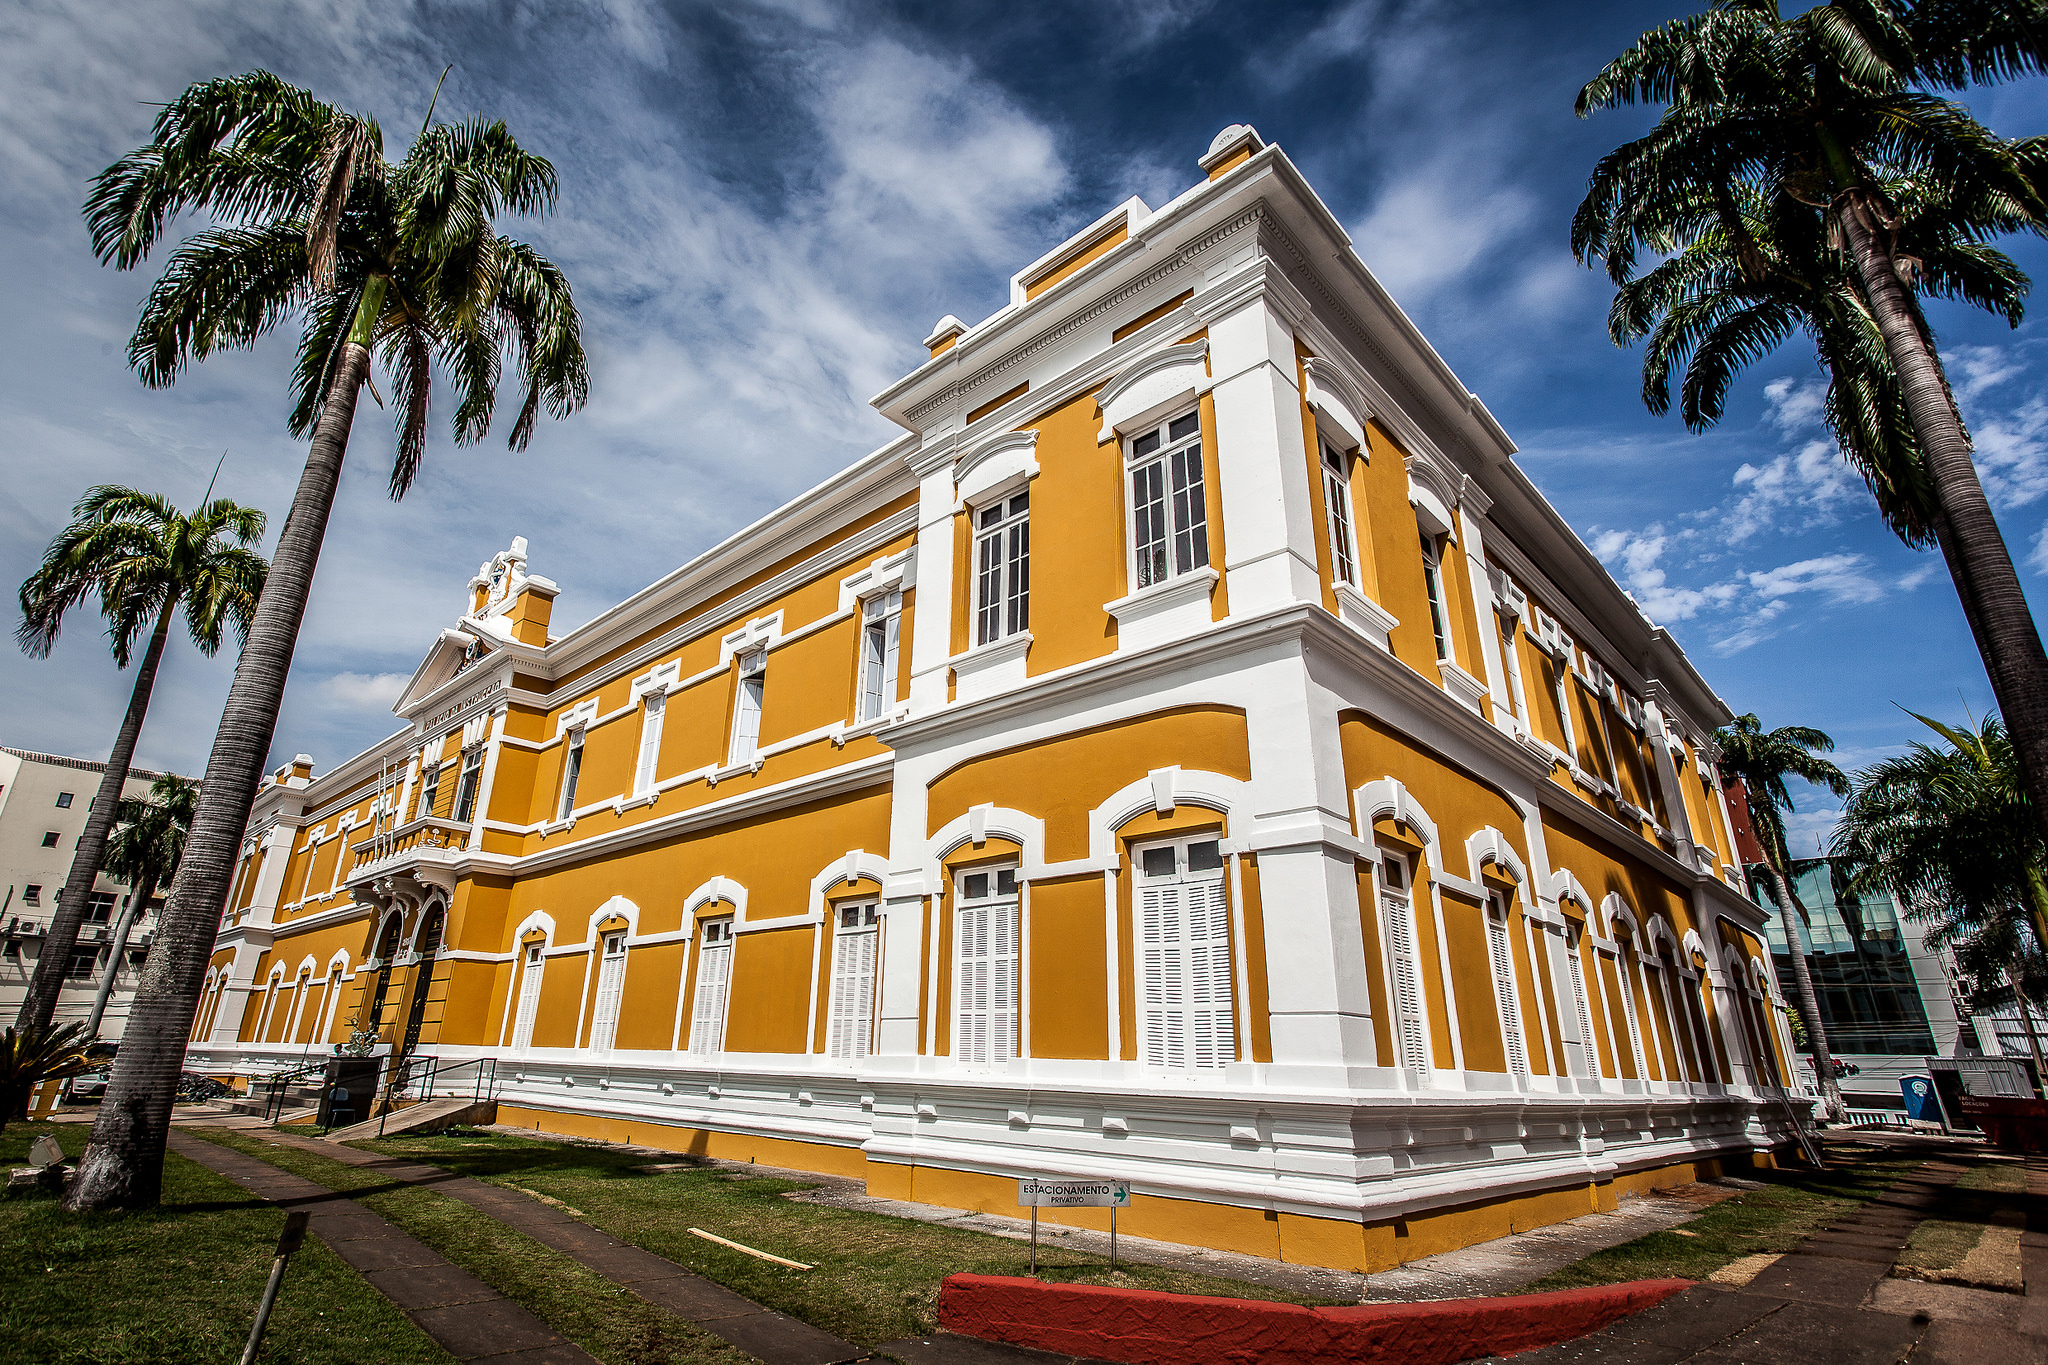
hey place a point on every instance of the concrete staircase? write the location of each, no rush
(301, 1101)
(426, 1117)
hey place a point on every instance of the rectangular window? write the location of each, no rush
(1183, 951)
(529, 995)
(653, 707)
(1404, 964)
(1337, 504)
(854, 950)
(714, 973)
(1169, 516)
(611, 983)
(985, 977)
(430, 787)
(63, 800)
(881, 634)
(99, 907)
(572, 772)
(84, 962)
(32, 894)
(1506, 998)
(1002, 553)
(1433, 578)
(50, 838)
(465, 790)
(746, 707)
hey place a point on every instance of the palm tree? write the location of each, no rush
(33, 1053)
(143, 559)
(378, 260)
(1831, 117)
(1951, 831)
(144, 852)
(1762, 760)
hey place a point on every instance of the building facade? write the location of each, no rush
(44, 800)
(1191, 752)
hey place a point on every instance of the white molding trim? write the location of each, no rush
(1340, 409)
(1151, 385)
(1162, 791)
(996, 467)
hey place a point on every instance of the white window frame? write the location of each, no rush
(710, 1001)
(1182, 536)
(1337, 516)
(1403, 949)
(468, 785)
(653, 711)
(1439, 596)
(1575, 940)
(1507, 996)
(611, 988)
(750, 688)
(430, 787)
(856, 956)
(986, 962)
(1511, 663)
(881, 640)
(572, 771)
(533, 972)
(1002, 568)
(1187, 1012)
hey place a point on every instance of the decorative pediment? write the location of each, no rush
(456, 651)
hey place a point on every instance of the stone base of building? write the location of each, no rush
(1299, 1239)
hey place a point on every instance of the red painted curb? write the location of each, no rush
(1145, 1327)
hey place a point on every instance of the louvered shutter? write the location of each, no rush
(1160, 945)
(1212, 1023)
(1628, 1010)
(1414, 1040)
(529, 998)
(611, 980)
(1586, 1044)
(853, 993)
(985, 1008)
(1002, 982)
(714, 969)
(1504, 993)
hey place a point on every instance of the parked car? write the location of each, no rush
(88, 1085)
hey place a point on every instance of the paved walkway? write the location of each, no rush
(469, 1319)
(775, 1338)
(1832, 1300)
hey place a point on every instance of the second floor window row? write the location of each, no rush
(1002, 555)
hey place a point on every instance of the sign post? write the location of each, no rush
(1073, 1194)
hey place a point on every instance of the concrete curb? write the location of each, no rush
(1145, 1327)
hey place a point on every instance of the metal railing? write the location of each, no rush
(417, 1079)
(278, 1082)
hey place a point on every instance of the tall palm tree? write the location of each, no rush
(1762, 759)
(144, 852)
(379, 260)
(1834, 115)
(143, 559)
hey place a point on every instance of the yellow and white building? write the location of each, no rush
(1191, 752)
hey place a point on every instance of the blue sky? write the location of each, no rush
(765, 207)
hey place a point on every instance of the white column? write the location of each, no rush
(1318, 993)
(1261, 455)
(931, 630)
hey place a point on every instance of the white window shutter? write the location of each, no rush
(707, 1019)
(853, 994)
(1406, 971)
(985, 1003)
(611, 980)
(1505, 995)
(1577, 972)
(1186, 1009)
(529, 998)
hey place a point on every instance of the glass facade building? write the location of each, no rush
(1862, 962)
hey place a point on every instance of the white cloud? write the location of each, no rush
(1838, 577)
(1814, 484)
(1974, 369)
(1635, 556)
(2012, 454)
(1795, 405)
(2038, 559)
(363, 691)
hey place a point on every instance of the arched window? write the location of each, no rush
(985, 909)
(271, 987)
(1183, 950)
(856, 943)
(532, 971)
(714, 975)
(611, 985)
(1582, 1010)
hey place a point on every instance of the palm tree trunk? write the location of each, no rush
(1970, 541)
(1809, 1003)
(53, 962)
(123, 1164)
(138, 905)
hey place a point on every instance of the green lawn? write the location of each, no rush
(876, 1278)
(1792, 1206)
(617, 1327)
(178, 1284)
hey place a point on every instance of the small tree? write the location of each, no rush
(29, 1056)
(144, 852)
